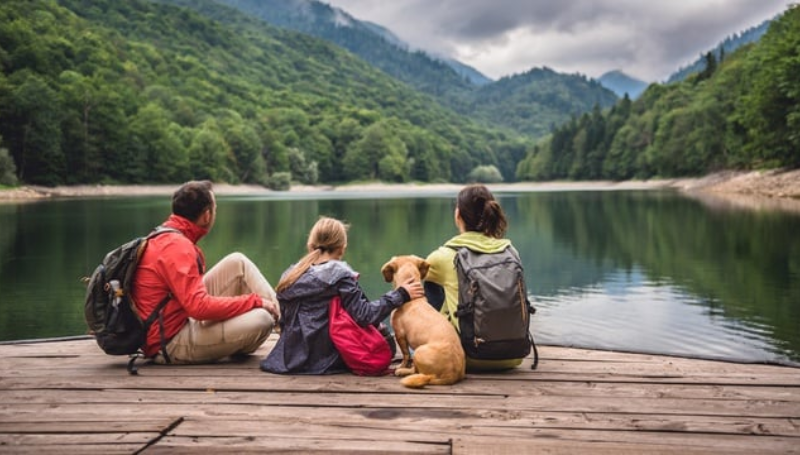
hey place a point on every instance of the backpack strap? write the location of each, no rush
(158, 311)
(535, 352)
(531, 312)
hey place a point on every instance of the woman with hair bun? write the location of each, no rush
(482, 225)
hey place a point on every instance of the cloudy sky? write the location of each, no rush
(648, 39)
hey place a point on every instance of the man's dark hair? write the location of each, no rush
(191, 199)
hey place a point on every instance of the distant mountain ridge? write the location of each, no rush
(372, 42)
(540, 99)
(727, 46)
(532, 107)
(471, 74)
(620, 83)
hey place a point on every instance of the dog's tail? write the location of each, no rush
(417, 381)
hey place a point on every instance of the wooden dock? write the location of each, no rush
(69, 397)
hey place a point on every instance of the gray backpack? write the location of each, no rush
(493, 307)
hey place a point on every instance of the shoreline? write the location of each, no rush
(739, 188)
(78, 191)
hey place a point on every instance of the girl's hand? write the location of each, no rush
(414, 288)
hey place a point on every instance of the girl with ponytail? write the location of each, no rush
(304, 293)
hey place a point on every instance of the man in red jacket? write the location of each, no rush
(231, 309)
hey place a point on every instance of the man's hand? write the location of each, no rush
(271, 307)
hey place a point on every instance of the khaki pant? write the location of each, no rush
(207, 341)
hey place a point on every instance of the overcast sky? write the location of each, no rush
(648, 39)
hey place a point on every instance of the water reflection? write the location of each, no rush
(627, 313)
(738, 266)
(636, 271)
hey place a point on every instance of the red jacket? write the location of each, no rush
(170, 265)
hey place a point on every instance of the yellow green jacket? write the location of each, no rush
(443, 272)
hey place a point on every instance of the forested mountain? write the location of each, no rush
(620, 83)
(465, 71)
(538, 100)
(145, 91)
(372, 43)
(529, 103)
(742, 113)
(727, 46)
(136, 91)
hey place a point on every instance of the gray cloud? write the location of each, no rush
(649, 40)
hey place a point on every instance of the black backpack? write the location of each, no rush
(109, 310)
(493, 307)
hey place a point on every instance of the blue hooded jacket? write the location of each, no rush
(305, 345)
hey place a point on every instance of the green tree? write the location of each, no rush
(81, 97)
(246, 160)
(208, 154)
(37, 116)
(393, 167)
(428, 156)
(379, 154)
(8, 170)
(709, 67)
(301, 169)
(485, 174)
(280, 181)
(342, 133)
(770, 108)
(153, 136)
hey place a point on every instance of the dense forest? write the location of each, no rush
(140, 92)
(102, 91)
(739, 113)
(530, 103)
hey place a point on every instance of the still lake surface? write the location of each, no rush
(640, 271)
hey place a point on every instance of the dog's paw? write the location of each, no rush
(403, 371)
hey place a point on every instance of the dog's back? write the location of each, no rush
(438, 356)
(433, 326)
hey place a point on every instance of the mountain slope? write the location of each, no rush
(727, 46)
(467, 72)
(538, 100)
(533, 106)
(373, 43)
(743, 113)
(620, 83)
(137, 91)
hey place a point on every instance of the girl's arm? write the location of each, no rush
(364, 311)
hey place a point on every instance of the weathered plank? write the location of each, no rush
(280, 444)
(426, 431)
(485, 394)
(72, 396)
(715, 407)
(544, 446)
(75, 442)
(100, 424)
(450, 418)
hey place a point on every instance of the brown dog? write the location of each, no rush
(438, 356)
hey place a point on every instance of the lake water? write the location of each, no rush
(640, 271)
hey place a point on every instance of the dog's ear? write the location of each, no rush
(388, 270)
(423, 266)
